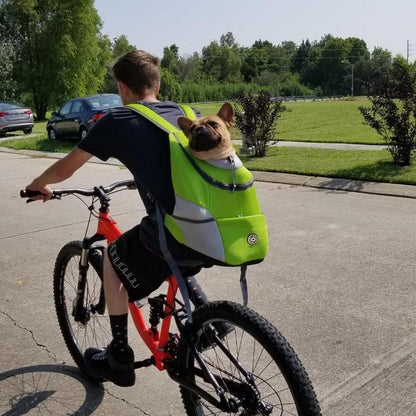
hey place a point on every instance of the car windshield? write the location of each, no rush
(7, 106)
(102, 102)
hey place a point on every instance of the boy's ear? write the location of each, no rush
(227, 113)
(185, 124)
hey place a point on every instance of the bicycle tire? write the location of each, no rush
(95, 330)
(279, 375)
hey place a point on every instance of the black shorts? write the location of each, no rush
(140, 270)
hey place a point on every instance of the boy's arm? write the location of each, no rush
(58, 172)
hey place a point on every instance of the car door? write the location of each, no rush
(74, 118)
(60, 123)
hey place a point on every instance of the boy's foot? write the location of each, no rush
(104, 364)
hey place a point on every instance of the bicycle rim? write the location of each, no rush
(91, 328)
(280, 384)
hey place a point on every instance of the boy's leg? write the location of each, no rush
(116, 362)
(117, 305)
(115, 293)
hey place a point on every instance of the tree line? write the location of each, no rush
(51, 51)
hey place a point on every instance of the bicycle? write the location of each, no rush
(228, 360)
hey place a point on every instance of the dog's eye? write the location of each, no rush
(213, 124)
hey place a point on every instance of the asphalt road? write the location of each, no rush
(339, 282)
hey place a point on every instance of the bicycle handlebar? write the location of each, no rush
(99, 191)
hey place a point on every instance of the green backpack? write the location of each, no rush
(216, 210)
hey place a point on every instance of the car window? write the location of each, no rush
(77, 107)
(8, 106)
(66, 108)
(94, 103)
(100, 103)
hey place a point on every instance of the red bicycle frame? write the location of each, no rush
(154, 339)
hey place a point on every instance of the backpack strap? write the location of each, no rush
(172, 263)
(152, 116)
(188, 111)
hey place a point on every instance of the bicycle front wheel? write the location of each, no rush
(84, 323)
(255, 366)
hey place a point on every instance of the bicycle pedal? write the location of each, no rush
(144, 363)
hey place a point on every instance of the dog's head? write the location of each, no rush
(209, 137)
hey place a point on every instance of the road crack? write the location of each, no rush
(32, 335)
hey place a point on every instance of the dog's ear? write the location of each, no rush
(227, 113)
(185, 124)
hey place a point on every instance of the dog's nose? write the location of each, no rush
(200, 128)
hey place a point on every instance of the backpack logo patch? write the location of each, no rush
(252, 239)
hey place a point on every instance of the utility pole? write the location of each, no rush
(409, 51)
(344, 61)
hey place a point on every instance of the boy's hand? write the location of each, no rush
(45, 192)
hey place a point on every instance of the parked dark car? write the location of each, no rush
(77, 116)
(13, 117)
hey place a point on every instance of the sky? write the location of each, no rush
(152, 25)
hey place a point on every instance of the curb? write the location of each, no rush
(347, 185)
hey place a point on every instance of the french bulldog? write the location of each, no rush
(209, 136)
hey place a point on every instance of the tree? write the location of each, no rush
(256, 116)
(7, 85)
(222, 62)
(333, 65)
(393, 110)
(170, 59)
(60, 52)
(256, 60)
(189, 68)
(118, 47)
(170, 88)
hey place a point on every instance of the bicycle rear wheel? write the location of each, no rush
(90, 326)
(277, 384)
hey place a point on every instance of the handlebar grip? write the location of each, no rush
(27, 193)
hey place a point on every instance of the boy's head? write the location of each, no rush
(139, 70)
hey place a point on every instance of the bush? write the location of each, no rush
(393, 111)
(256, 116)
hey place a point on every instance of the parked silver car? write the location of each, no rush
(13, 117)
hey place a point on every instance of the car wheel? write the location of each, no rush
(28, 130)
(51, 134)
(83, 133)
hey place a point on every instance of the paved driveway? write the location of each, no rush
(339, 283)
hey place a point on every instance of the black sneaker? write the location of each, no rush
(104, 364)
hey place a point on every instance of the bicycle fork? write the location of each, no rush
(81, 312)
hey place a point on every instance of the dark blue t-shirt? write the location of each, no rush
(141, 146)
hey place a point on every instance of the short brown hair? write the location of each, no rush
(139, 70)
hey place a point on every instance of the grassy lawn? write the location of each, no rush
(365, 165)
(337, 121)
(319, 121)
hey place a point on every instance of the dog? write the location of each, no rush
(209, 136)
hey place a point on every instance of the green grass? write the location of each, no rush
(40, 143)
(319, 121)
(365, 165)
(326, 121)
(336, 121)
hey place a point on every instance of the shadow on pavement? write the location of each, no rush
(50, 389)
